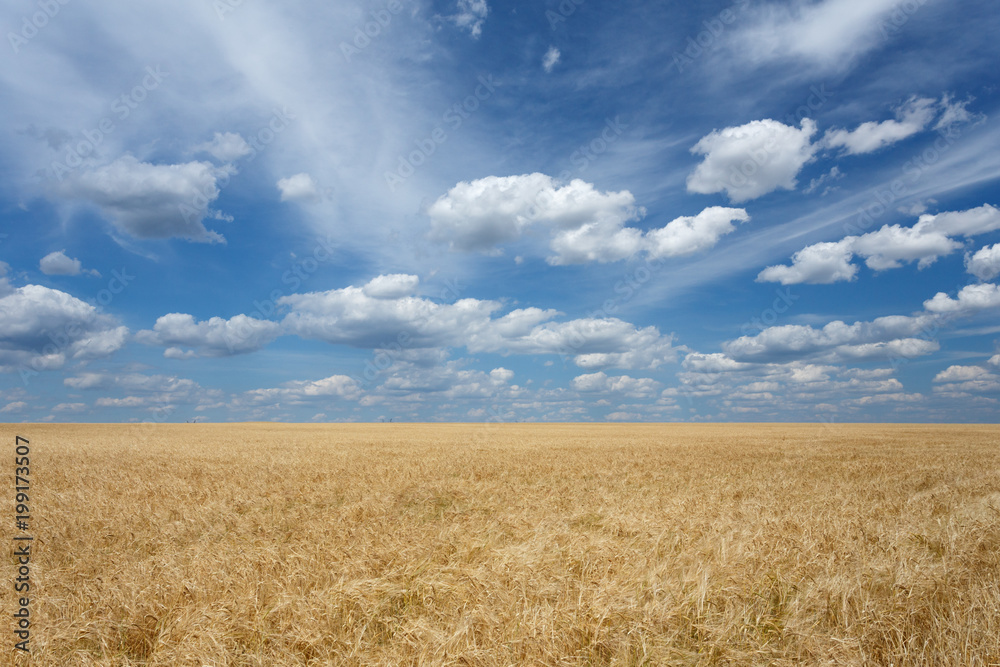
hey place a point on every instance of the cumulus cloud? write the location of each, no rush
(752, 160)
(820, 263)
(600, 382)
(148, 201)
(961, 374)
(16, 406)
(471, 15)
(786, 388)
(551, 58)
(300, 187)
(383, 314)
(501, 375)
(985, 263)
(884, 337)
(815, 358)
(226, 146)
(481, 214)
(963, 381)
(59, 264)
(42, 328)
(449, 380)
(687, 235)
(335, 386)
(886, 248)
(585, 225)
(132, 382)
(215, 337)
(392, 286)
(911, 118)
(970, 298)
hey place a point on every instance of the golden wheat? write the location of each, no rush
(395, 544)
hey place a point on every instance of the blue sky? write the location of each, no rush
(231, 210)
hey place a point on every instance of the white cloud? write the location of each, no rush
(215, 337)
(481, 214)
(126, 402)
(148, 201)
(69, 407)
(156, 392)
(585, 225)
(954, 112)
(501, 375)
(883, 337)
(352, 316)
(300, 187)
(711, 363)
(42, 328)
(335, 386)
(971, 222)
(827, 33)
(551, 58)
(59, 264)
(963, 381)
(961, 374)
(16, 406)
(820, 263)
(880, 399)
(985, 263)
(86, 381)
(833, 175)
(471, 15)
(349, 316)
(687, 235)
(911, 118)
(392, 286)
(227, 147)
(601, 382)
(890, 246)
(753, 159)
(970, 299)
(886, 248)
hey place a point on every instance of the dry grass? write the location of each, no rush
(517, 545)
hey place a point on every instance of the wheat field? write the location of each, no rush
(516, 544)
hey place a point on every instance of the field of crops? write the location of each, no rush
(582, 544)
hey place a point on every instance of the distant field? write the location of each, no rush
(407, 544)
